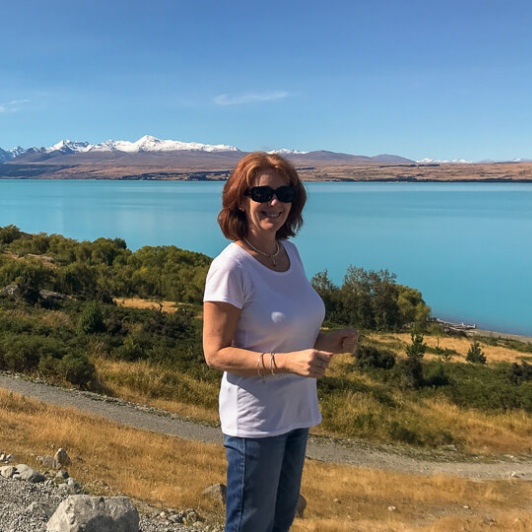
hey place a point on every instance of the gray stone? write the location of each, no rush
(25, 472)
(8, 471)
(85, 513)
(62, 458)
(301, 505)
(216, 493)
(40, 509)
(62, 474)
(49, 462)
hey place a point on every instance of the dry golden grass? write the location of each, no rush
(478, 433)
(151, 384)
(137, 302)
(168, 472)
(397, 342)
(112, 458)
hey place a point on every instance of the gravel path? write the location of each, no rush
(360, 454)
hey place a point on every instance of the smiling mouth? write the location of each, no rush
(272, 214)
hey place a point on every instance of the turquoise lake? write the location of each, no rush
(467, 247)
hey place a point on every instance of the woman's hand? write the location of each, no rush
(307, 363)
(338, 341)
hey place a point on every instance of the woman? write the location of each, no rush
(262, 323)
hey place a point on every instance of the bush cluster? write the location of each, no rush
(99, 270)
(371, 300)
(31, 343)
(473, 384)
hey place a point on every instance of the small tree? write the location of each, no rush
(475, 354)
(411, 368)
(417, 348)
(91, 319)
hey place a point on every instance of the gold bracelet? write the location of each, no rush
(260, 361)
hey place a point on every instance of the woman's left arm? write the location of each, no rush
(337, 341)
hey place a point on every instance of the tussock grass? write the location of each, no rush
(168, 472)
(354, 406)
(111, 458)
(494, 352)
(159, 386)
(137, 302)
(365, 409)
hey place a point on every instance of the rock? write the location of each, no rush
(62, 474)
(8, 471)
(70, 487)
(49, 462)
(85, 513)
(40, 509)
(25, 472)
(452, 448)
(10, 290)
(62, 458)
(301, 505)
(49, 295)
(192, 518)
(216, 492)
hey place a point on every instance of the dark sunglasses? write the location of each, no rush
(286, 193)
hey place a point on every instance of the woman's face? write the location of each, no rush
(265, 219)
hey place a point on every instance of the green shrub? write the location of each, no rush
(368, 356)
(411, 373)
(520, 373)
(475, 355)
(91, 319)
(401, 434)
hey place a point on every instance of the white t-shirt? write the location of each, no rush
(280, 312)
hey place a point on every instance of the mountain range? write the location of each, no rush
(150, 158)
(85, 152)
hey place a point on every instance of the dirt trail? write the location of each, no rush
(359, 454)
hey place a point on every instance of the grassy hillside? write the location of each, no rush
(100, 317)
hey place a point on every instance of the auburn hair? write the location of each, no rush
(232, 219)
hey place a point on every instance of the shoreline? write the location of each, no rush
(505, 336)
(473, 330)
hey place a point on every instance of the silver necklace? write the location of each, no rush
(272, 257)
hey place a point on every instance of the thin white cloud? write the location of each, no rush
(251, 97)
(13, 106)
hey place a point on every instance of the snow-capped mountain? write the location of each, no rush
(285, 151)
(152, 144)
(68, 146)
(426, 160)
(7, 155)
(144, 144)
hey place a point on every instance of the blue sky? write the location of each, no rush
(442, 79)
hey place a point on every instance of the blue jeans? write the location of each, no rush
(263, 481)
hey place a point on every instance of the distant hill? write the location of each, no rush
(152, 158)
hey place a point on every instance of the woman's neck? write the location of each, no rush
(268, 245)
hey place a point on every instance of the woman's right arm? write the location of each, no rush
(219, 327)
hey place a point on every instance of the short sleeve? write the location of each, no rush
(225, 283)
